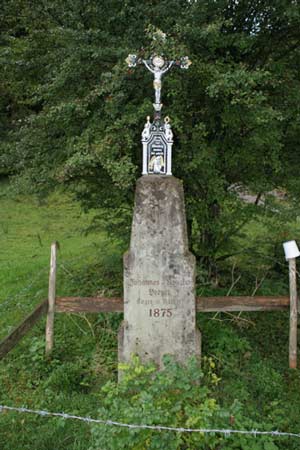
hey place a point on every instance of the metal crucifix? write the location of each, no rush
(157, 137)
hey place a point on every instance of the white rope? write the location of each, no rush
(148, 427)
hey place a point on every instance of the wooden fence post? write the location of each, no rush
(293, 314)
(51, 300)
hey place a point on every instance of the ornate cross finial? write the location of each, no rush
(158, 66)
(157, 138)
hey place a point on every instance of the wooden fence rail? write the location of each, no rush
(10, 341)
(115, 304)
(203, 304)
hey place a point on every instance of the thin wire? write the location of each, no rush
(149, 427)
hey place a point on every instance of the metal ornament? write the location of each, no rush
(157, 137)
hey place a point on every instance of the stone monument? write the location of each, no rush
(159, 270)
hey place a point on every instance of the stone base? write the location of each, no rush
(159, 277)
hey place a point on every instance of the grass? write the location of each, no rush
(85, 346)
(26, 232)
(250, 352)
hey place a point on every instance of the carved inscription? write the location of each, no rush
(139, 282)
(160, 312)
(160, 299)
(168, 281)
(158, 292)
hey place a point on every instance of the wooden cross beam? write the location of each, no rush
(203, 304)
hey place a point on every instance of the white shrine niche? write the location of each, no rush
(157, 140)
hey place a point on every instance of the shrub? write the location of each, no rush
(177, 396)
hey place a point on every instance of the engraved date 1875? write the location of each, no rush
(160, 312)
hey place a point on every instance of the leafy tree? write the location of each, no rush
(72, 112)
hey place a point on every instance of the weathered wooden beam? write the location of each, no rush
(88, 304)
(223, 304)
(204, 304)
(102, 304)
(10, 341)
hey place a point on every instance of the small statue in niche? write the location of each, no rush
(156, 164)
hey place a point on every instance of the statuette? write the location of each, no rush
(146, 130)
(168, 129)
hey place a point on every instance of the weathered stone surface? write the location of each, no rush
(159, 277)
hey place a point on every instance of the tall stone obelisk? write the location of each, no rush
(159, 270)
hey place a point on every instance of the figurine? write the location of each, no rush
(146, 130)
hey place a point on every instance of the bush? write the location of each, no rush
(177, 396)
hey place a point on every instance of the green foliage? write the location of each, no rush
(176, 396)
(72, 112)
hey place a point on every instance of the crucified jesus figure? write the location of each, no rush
(158, 67)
